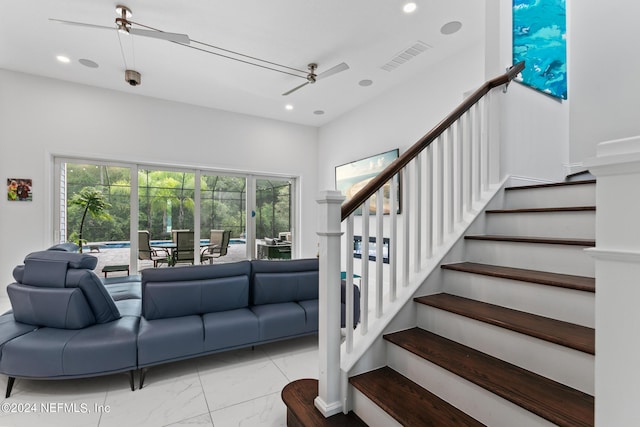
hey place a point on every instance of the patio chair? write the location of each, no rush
(183, 253)
(218, 245)
(146, 252)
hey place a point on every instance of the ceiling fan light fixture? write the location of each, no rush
(288, 107)
(409, 7)
(63, 59)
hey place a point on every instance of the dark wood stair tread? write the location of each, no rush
(570, 335)
(548, 399)
(299, 395)
(580, 283)
(407, 402)
(538, 240)
(543, 210)
(553, 184)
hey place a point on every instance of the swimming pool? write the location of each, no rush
(119, 245)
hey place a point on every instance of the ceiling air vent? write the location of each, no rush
(409, 53)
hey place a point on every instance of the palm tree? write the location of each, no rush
(94, 203)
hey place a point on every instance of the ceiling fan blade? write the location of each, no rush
(81, 24)
(295, 89)
(172, 37)
(333, 70)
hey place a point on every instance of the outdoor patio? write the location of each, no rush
(120, 256)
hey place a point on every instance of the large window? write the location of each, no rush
(162, 200)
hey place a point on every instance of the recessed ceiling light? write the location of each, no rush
(62, 58)
(451, 27)
(288, 107)
(318, 112)
(365, 82)
(409, 7)
(88, 63)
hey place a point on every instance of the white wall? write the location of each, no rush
(604, 64)
(42, 117)
(535, 127)
(400, 117)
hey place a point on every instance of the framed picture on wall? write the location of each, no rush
(352, 177)
(539, 39)
(19, 189)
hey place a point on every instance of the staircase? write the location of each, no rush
(509, 341)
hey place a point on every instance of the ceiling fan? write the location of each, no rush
(312, 77)
(124, 25)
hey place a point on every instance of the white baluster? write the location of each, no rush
(439, 191)
(364, 261)
(459, 170)
(393, 235)
(406, 224)
(348, 294)
(428, 197)
(379, 252)
(448, 187)
(417, 223)
(467, 164)
(476, 141)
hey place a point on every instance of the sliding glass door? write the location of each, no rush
(273, 218)
(258, 212)
(223, 208)
(165, 202)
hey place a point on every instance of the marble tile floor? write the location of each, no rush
(234, 388)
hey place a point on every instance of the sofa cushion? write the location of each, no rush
(64, 308)
(75, 260)
(198, 290)
(10, 328)
(310, 315)
(51, 352)
(124, 291)
(103, 306)
(229, 329)
(129, 307)
(280, 320)
(79, 274)
(284, 281)
(45, 273)
(164, 340)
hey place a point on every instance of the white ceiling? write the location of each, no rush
(366, 34)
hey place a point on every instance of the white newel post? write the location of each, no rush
(617, 260)
(328, 400)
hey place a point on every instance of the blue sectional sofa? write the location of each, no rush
(66, 322)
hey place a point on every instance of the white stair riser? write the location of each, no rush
(543, 300)
(580, 224)
(475, 401)
(551, 197)
(571, 367)
(369, 412)
(566, 259)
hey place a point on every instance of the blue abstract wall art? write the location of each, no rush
(539, 39)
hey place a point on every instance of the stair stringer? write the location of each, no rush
(370, 351)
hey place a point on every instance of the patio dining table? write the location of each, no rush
(170, 246)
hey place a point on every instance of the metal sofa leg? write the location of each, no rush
(143, 373)
(133, 387)
(10, 381)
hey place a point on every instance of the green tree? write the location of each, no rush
(93, 202)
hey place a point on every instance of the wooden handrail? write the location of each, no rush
(375, 184)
